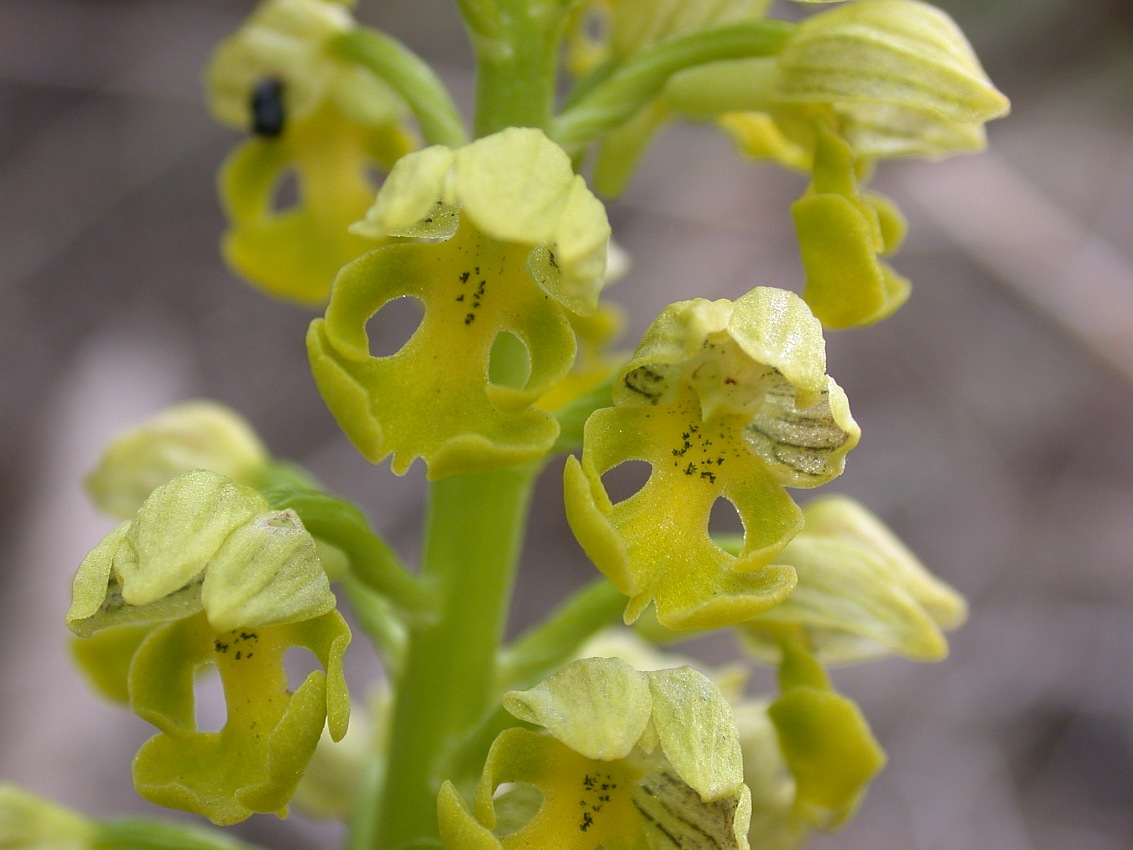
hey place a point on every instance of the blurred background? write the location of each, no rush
(996, 407)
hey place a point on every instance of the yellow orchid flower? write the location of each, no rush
(628, 760)
(507, 242)
(723, 400)
(323, 121)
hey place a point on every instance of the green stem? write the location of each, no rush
(473, 538)
(642, 77)
(411, 77)
(517, 64)
(545, 646)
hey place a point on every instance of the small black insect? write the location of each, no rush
(267, 108)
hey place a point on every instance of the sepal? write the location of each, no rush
(899, 73)
(201, 542)
(861, 593)
(192, 435)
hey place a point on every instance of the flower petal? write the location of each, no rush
(598, 707)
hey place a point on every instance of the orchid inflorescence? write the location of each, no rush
(586, 731)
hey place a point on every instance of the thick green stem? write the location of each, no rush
(517, 65)
(409, 76)
(474, 533)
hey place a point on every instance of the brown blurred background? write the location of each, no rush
(997, 406)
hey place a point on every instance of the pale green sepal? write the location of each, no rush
(266, 572)
(861, 592)
(412, 191)
(31, 822)
(255, 761)
(192, 435)
(689, 712)
(597, 706)
(902, 63)
(516, 187)
(850, 606)
(513, 185)
(178, 530)
(840, 516)
(97, 601)
(88, 588)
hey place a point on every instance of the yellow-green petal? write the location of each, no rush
(598, 707)
(177, 530)
(267, 572)
(88, 588)
(697, 732)
(861, 592)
